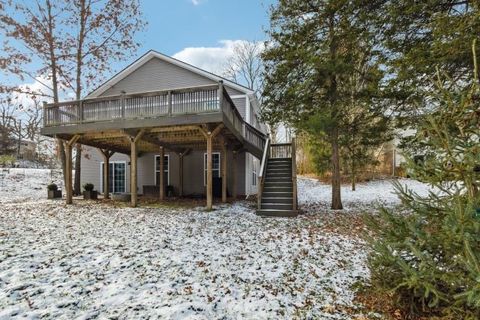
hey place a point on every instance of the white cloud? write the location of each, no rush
(196, 2)
(212, 59)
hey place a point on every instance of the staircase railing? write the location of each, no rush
(262, 173)
(281, 150)
(294, 173)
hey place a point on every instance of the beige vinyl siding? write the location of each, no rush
(193, 170)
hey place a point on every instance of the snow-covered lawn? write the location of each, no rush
(316, 197)
(96, 260)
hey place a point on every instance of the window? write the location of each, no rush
(254, 172)
(117, 180)
(166, 170)
(215, 166)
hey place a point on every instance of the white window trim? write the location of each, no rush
(205, 168)
(155, 168)
(101, 175)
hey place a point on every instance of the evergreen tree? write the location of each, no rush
(419, 37)
(314, 50)
(429, 256)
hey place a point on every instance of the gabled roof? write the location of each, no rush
(155, 54)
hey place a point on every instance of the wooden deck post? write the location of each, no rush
(180, 173)
(224, 172)
(107, 154)
(161, 179)
(68, 168)
(234, 175)
(209, 135)
(209, 172)
(106, 177)
(133, 167)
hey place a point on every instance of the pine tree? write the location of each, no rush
(314, 50)
(419, 37)
(429, 257)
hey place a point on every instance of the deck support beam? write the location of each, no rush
(161, 178)
(234, 175)
(224, 171)
(133, 166)
(180, 173)
(107, 154)
(209, 136)
(68, 168)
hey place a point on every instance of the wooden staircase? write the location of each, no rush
(277, 194)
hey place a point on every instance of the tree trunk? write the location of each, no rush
(78, 159)
(336, 182)
(78, 93)
(353, 176)
(54, 71)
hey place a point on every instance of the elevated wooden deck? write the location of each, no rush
(172, 118)
(179, 120)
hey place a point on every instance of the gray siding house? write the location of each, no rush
(206, 129)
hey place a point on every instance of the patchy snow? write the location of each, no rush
(316, 196)
(19, 184)
(95, 260)
(91, 260)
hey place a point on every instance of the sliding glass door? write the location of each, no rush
(117, 180)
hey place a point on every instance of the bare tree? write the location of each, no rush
(33, 30)
(245, 65)
(102, 31)
(73, 41)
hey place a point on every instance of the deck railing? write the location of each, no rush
(281, 150)
(263, 172)
(166, 103)
(196, 100)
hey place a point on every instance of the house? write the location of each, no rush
(27, 149)
(163, 122)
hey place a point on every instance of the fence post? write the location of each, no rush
(294, 174)
(122, 102)
(220, 95)
(169, 99)
(80, 111)
(44, 114)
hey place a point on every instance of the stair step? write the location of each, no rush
(279, 159)
(278, 179)
(277, 213)
(278, 175)
(285, 200)
(269, 183)
(274, 194)
(281, 206)
(278, 189)
(275, 170)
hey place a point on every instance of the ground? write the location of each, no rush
(96, 259)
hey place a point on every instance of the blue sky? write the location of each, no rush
(200, 32)
(178, 24)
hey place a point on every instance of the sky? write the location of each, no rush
(202, 32)
(199, 32)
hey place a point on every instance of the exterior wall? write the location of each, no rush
(157, 74)
(250, 184)
(193, 174)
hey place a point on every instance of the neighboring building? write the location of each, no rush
(27, 150)
(161, 105)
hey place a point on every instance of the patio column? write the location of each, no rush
(68, 168)
(234, 175)
(180, 173)
(209, 172)
(224, 172)
(133, 167)
(106, 171)
(161, 183)
(209, 135)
